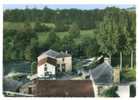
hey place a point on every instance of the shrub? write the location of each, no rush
(111, 92)
(128, 75)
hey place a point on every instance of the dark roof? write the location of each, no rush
(55, 54)
(102, 74)
(11, 85)
(63, 88)
(26, 84)
(52, 53)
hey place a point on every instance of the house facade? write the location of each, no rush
(52, 62)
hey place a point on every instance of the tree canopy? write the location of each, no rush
(114, 31)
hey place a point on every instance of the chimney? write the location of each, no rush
(66, 52)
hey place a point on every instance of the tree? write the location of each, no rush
(68, 44)
(107, 35)
(122, 46)
(52, 38)
(89, 47)
(40, 27)
(60, 26)
(132, 35)
(115, 29)
(28, 53)
(74, 30)
(34, 45)
(33, 67)
(126, 37)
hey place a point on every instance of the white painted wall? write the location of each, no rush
(41, 69)
(51, 68)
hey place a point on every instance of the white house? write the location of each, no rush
(51, 62)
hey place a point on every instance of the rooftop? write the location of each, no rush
(102, 74)
(54, 54)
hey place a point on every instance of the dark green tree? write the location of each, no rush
(74, 30)
(33, 67)
(107, 36)
(28, 53)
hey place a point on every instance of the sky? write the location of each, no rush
(64, 6)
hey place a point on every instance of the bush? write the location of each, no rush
(34, 68)
(111, 92)
(128, 75)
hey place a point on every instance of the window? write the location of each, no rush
(100, 88)
(29, 90)
(63, 67)
(46, 73)
(45, 68)
(58, 68)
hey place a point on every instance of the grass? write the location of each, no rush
(42, 36)
(20, 25)
(12, 25)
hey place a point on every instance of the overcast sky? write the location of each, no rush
(63, 6)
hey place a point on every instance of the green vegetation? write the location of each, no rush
(33, 68)
(128, 75)
(16, 66)
(111, 92)
(84, 33)
(42, 36)
(13, 25)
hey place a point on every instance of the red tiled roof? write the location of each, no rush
(42, 61)
(63, 88)
(48, 59)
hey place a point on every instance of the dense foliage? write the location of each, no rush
(114, 31)
(85, 18)
(20, 45)
(111, 92)
(128, 75)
